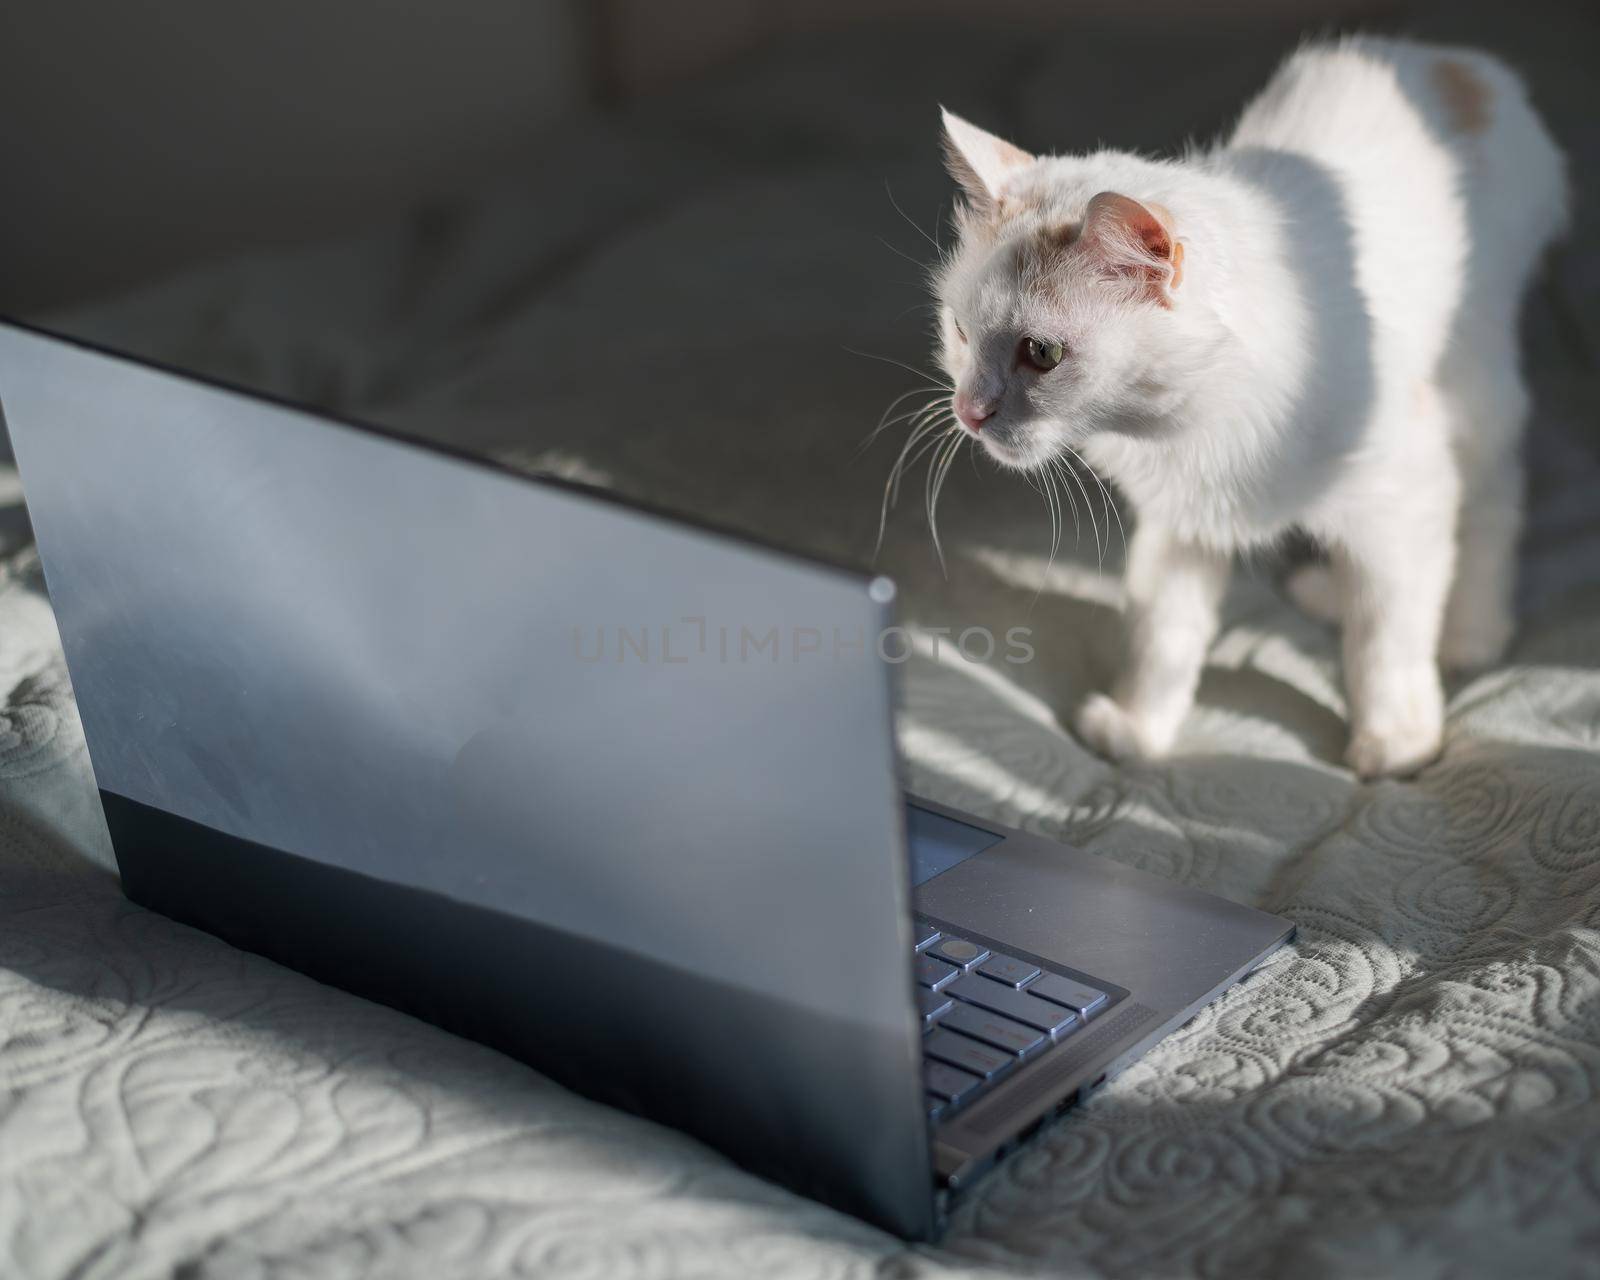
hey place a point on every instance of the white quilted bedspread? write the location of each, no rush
(1410, 1090)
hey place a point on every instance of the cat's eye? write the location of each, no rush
(960, 332)
(1042, 355)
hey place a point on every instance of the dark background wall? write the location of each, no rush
(137, 137)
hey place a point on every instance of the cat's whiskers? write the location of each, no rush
(931, 437)
(891, 490)
(925, 434)
(899, 252)
(911, 222)
(916, 444)
(925, 422)
(937, 412)
(886, 421)
(1052, 469)
(1109, 506)
(942, 383)
(1052, 502)
(1045, 487)
(1070, 477)
(937, 470)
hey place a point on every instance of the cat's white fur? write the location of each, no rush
(1312, 325)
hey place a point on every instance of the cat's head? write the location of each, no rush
(1061, 307)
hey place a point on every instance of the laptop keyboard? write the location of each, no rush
(985, 1013)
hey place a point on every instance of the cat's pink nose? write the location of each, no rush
(973, 413)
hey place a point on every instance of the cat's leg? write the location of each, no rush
(1173, 592)
(1393, 563)
(1481, 613)
(1315, 590)
(1488, 405)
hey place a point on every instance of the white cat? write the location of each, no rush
(1312, 325)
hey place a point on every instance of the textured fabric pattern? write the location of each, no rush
(1410, 1090)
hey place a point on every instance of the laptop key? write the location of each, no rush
(922, 935)
(1008, 969)
(935, 1105)
(994, 1030)
(967, 1054)
(1069, 994)
(1017, 1005)
(950, 1083)
(958, 951)
(933, 1004)
(933, 973)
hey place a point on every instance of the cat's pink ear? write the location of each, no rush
(979, 161)
(1136, 241)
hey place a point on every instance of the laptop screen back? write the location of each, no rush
(632, 750)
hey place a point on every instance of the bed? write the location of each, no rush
(1413, 1088)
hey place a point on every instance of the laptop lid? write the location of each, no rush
(613, 793)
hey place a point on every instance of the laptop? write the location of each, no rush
(610, 791)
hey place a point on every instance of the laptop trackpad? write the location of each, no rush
(938, 843)
(1169, 944)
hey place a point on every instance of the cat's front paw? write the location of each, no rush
(1112, 731)
(1397, 751)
